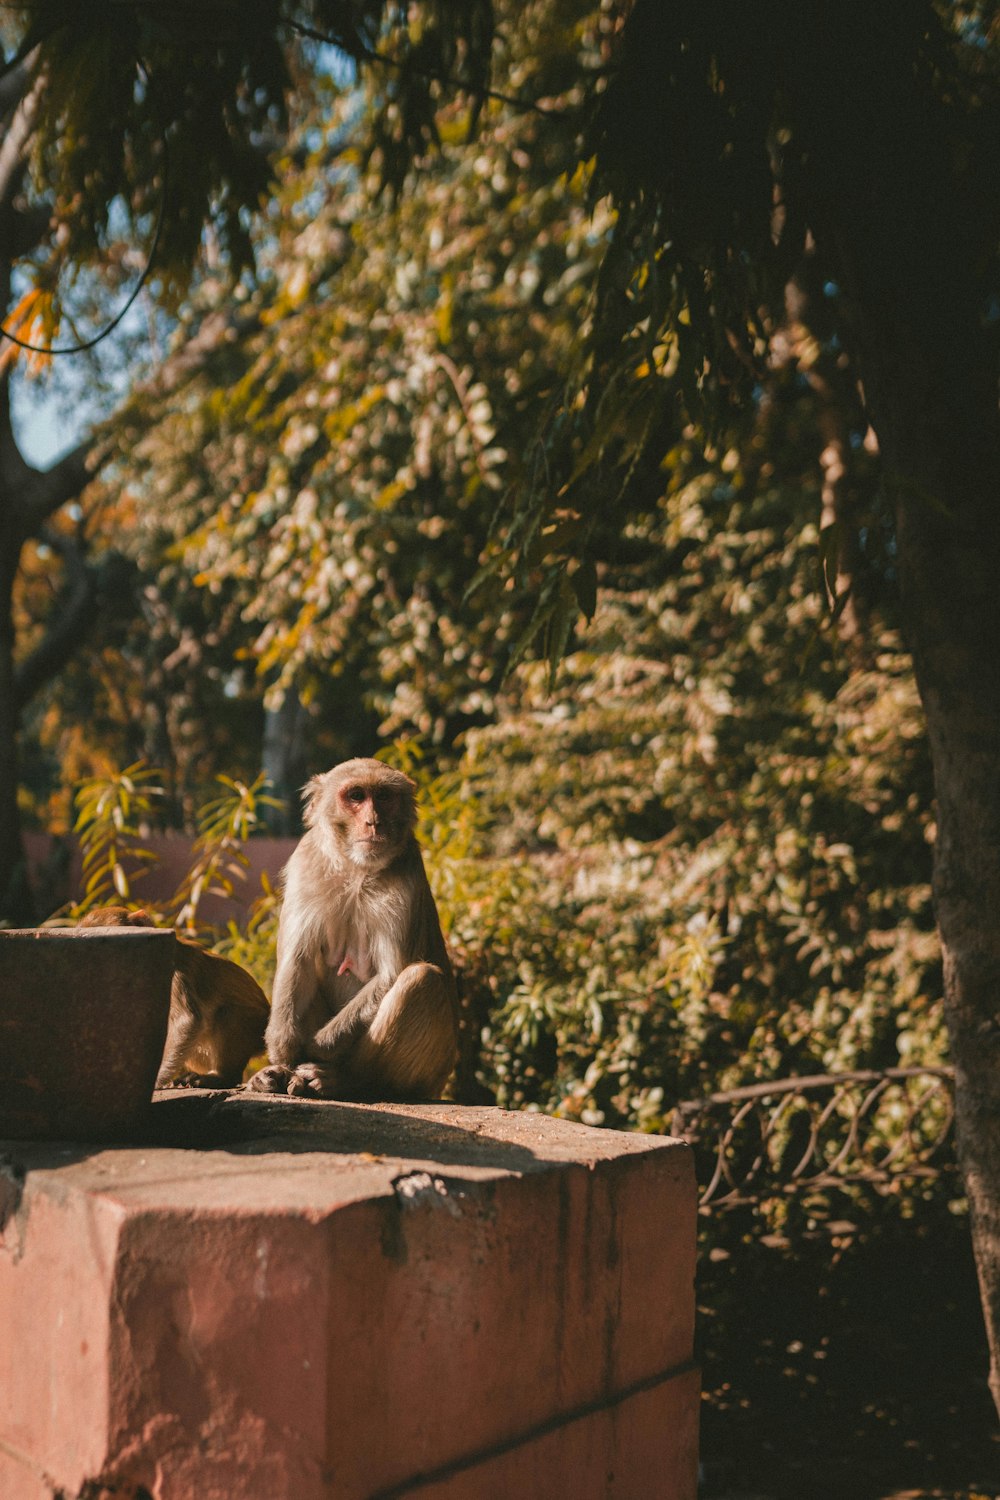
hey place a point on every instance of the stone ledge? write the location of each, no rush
(277, 1299)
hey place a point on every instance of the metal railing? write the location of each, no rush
(802, 1134)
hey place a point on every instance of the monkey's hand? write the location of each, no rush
(334, 1041)
(272, 1080)
(316, 1081)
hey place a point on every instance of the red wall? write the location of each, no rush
(55, 869)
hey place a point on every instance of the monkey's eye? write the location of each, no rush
(355, 794)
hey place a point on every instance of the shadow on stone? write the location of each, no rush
(259, 1125)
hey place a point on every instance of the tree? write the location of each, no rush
(137, 131)
(733, 139)
(325, 483)
(87, 125)
(868, 131)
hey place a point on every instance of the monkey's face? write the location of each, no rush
(376, 821)
(362, 811)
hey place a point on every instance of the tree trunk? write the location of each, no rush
(28, 497)
(283, 759)
(900, 200)
(962, 703)
(15, 892)
(951, 581)
(936, 415)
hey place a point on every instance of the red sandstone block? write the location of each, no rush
(644, 1445)
(543, 1307)
(56, 1286)
(108, 989)
(21, 1482)
(336, 1299)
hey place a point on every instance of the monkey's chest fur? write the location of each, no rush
(362, 939)
(344, 963)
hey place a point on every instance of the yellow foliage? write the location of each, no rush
(34, 320)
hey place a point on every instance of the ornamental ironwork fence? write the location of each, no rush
(796, 1135)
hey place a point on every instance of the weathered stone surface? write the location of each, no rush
(641, 1445)
(278, 1298)
(83, 1020)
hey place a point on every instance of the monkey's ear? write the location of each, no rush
(311, 794)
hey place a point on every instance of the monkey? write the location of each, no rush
(364, 1003)
(218, 1011)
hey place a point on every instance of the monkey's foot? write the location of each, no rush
(201, 1081)
(312, 1080)
(271, 1080)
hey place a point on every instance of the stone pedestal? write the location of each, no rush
(276, 1299)
(83, 1019)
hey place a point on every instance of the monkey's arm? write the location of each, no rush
(413, 937)
(293, 994)
(349, 1024)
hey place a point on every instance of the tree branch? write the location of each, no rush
(193, 355)
(13, 87)
(44, 491)
(24, 228)
(72, 616)
(14, 146)
(216, 330)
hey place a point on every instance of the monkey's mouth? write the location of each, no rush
(371, 848)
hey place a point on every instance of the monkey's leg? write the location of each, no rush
(182, 1029)
(406, 1051)
(411, 1045)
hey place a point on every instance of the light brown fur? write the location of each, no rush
(218, 1011)
(364, 1002)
